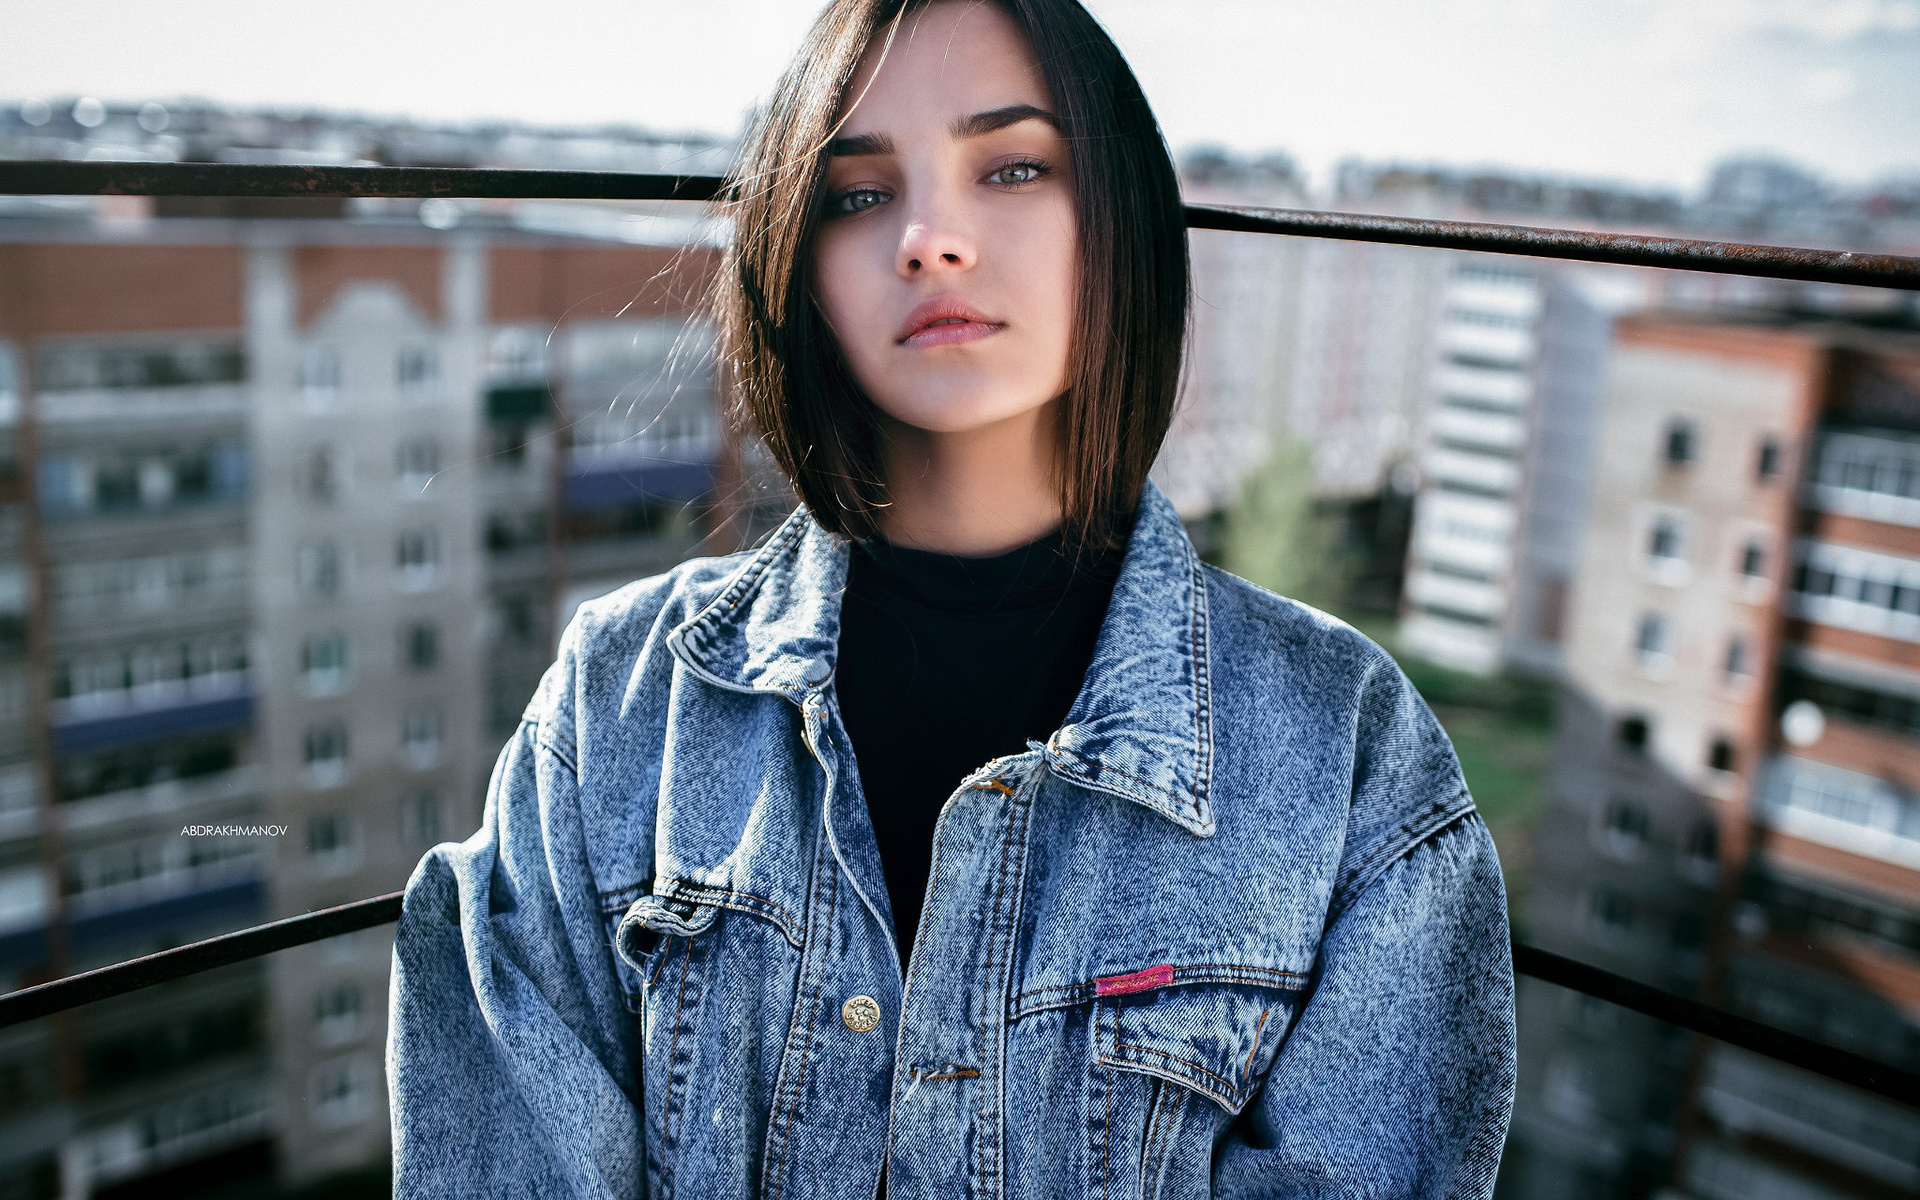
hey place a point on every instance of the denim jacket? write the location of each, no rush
(1234, 930)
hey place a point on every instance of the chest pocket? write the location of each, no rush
(1216, 1039)
(1174, 1065)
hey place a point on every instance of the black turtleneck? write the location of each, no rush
(948, 662)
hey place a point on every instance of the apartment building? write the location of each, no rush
(1507, 436)
(1246, 305)
(1720, 822)
(1823, 936)
(288, 527)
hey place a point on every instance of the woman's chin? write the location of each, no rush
(966, 411)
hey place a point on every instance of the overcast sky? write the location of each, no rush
(1646, 91)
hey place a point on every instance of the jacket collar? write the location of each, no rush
(1141, 726)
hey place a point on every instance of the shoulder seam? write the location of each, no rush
(542, 742)
(1421, 829)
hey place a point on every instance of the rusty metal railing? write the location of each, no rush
(1623, 249)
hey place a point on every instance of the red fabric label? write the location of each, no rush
(1139, 981)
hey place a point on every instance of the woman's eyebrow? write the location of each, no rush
(980, 124)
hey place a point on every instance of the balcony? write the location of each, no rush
(1495, 431)
(1514, 347)
(1482, 472)
(1432, 589)
(135, 410)
(1487, 386)
(105, 718)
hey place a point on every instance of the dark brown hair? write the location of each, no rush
(793, 389)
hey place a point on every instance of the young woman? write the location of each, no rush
(970, 837)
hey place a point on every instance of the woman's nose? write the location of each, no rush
(933, 241)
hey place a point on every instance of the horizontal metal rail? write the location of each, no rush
(1624, 249)
(1717, 1023)
(163, 966)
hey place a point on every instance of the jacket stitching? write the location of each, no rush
(991, 1117)
(619, 898)
(1189, 973)
(789, 924)
(1247, 1071)
(1203, 723)
(1158, 1136)
(806, 1046)
(697, 630)
(542, 742)
(1416, 833)
(1230, 1088)
(1105, 768)
(675, 1076)
(1106, 1140)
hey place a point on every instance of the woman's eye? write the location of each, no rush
(850, 201)
(1022, 172)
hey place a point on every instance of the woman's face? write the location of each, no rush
(949, 186)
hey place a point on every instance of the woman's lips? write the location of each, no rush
(951, 334)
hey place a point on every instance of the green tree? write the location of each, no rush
(1277, 535)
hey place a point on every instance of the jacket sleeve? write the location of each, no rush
(1397, 1079)
(511, 1061)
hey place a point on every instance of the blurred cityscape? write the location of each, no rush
(296, 494)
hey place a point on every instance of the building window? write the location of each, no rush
(1767, 463)
(336, 1013)
(1633, 733)
(319, 569)
(1703, 843)
(342, 1093)
(319, 376)
(331, 843)
(323, 661)
(1664, 544)
(517, 619)
(1753, 558)
(1857, 589)
(1866, 466)
(1736, 666)
(320, 475)
(1721, 757)
(1870, 705)
(1682, 441)
(422, 642)
(417, 460)
(417, 369)
(179, 364)
(1651, 640)
(1609, 911)
(1550, 616)
(1850, 797)
(417, 554)
(327, 753)
(1625, 829)
(420, 818)
(420, 736)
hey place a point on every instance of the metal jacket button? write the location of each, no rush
(860, 1013)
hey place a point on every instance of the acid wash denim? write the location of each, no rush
(1235, 929)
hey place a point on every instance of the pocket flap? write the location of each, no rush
(1216, 1038)
(650, 916)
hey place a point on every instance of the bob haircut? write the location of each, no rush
(791, 385)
